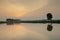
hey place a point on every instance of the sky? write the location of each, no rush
(28, 10)
(18, 8)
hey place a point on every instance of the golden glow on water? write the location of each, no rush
(20, 32)
(13, 31)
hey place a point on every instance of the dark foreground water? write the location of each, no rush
(29, 32)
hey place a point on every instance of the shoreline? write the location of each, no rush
(31, 21)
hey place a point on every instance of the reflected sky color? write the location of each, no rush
(28, 10)
(29, 31)
(22, 32)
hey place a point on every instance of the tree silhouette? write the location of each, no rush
(49, 16)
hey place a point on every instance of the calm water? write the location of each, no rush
(29, 32)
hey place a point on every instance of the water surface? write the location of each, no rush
(29, 32)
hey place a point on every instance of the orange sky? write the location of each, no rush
(9, 9)
(28, 8)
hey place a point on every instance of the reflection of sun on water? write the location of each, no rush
(13, 31)
(20, 32)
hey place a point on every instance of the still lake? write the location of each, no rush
(29, 32)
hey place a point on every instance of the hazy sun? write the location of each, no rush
(16, 11)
